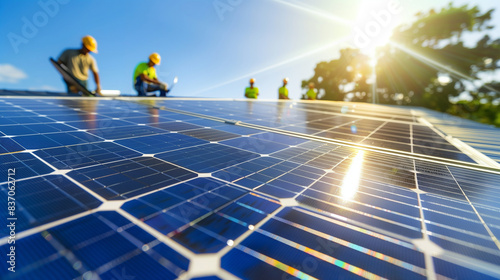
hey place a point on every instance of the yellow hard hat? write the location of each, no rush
(155, 58)
(252, 80)
(90, 43)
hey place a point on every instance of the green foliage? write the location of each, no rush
(408, 69)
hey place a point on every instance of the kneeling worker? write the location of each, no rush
(79, 61)
(145, 79)
(251, 91)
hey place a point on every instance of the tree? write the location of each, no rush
(342, 76)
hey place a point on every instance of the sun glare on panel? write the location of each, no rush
(350, 184)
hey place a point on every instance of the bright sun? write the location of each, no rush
(374, 24)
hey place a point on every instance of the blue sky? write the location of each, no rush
(213, 46)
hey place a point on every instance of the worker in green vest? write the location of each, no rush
(283, 91)
(145, 79)
(251, 91)
(311, 94)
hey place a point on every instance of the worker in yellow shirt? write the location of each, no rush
(283, 91)
(311, 94)
(79, 61)
(251, 91)
(145, 79)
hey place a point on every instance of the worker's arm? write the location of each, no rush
(145, 78)
(97, 82)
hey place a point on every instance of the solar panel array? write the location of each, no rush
(227, 189)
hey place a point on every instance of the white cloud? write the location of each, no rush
(10, 74)
(44, 88)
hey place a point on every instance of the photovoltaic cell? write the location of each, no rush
(160, 143)
(45, 199)
(207, 158)
(25, 165)
(130, 177)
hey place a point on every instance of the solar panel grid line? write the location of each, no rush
(494, 238)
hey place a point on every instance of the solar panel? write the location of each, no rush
(217, 189)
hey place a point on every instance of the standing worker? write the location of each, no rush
(251, 91)
(283, 91)
(311, 94)
(79, 61)
(145, 79)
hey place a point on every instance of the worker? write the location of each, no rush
(79, 61)
(283, 91)
(251, 91)
(145, 79)
(311, 93)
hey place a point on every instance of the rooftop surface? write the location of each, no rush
(150, 188)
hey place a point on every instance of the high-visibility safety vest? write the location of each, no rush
(311, 94)
(283, 91)
(251, 92)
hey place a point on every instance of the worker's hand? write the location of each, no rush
(163, 86)
(98, 90)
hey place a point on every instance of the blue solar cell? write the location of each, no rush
(114, 133)
(25, 165)
(276, 191)
(255, 144)
(210, 134)
(210, 201)
(402, 229)
(348, 252)
(469, 249)
(160, 143)
(199, 241)
(176, 126)
(246, 266)
(46, 199)
(243, 213)
(165, 223)
(207, 158)
(8, 145)
(125, 183)
(294, 257)
(15, 130)
(462, 234)
(454, 271)
(207, 278)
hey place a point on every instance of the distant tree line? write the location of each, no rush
(426, 64)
